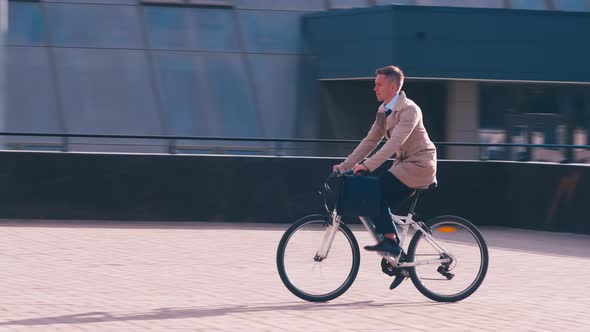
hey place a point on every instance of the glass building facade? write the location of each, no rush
(229, 68)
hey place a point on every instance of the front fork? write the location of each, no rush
(333, 225)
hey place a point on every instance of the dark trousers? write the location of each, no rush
(394, 193)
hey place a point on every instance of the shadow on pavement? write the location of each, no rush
(211, 311)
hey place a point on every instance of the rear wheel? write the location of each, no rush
(468, 253)
(309, 276)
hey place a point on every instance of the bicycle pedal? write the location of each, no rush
(397, 281)
(387, 268)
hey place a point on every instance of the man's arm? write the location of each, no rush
(366, 146)
(409, 118)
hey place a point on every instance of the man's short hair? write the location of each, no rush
(392, 73)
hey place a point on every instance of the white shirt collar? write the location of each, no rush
(391, 104)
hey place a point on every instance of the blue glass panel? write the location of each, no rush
(229, 95)
(396, 2)
(106, 91)
(179, 87)
(190, 28)
(463, 3)
(205, 94)
(304, 5)
(347, 4)
(26, 25)
(91, 25)
(271, 31)
(277, 98)
(31, 96)
(218, 3)
(287, 94)
(113, 2)
(572, 5)
(528, 4)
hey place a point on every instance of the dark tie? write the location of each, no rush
(387, 112)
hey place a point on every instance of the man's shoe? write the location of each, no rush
(387, 245)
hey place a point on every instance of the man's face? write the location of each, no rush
(384, 88)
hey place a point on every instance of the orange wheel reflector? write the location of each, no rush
(447, 229)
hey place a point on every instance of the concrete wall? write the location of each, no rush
(462, 123)
(203, 188)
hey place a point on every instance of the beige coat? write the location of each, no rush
(407, 142)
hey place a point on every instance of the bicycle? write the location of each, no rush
(328, 244)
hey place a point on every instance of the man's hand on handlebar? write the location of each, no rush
(338, 169)
(360, 169)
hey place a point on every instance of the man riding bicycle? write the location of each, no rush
(398, 119)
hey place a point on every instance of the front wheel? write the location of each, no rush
(313, 277)
(462, 245)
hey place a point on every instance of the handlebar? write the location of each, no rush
(338, 173)
(330, 184)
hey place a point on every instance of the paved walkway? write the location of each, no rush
(81, 276)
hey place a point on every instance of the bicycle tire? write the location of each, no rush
(483, 267)
(281, 263)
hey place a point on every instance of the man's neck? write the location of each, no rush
(388, 100)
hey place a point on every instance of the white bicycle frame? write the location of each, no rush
(403, 222)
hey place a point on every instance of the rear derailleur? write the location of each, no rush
(443, 269)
